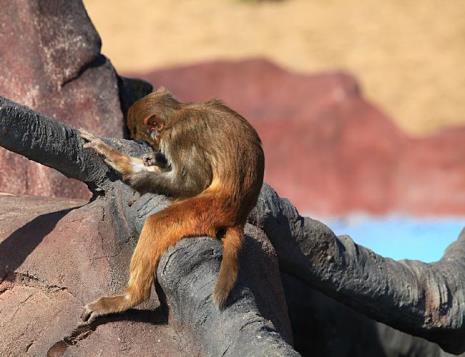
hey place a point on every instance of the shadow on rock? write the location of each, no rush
(16, 247)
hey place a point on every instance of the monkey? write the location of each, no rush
(211, 166)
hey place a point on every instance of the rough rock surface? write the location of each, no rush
(50, 61)
(329, 149)
(55, 255)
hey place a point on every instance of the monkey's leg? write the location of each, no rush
(161, 231)
(232, 243)
(142, 269)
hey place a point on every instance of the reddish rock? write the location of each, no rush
(328, 149)
(54, 257)
(50, 61)
(430, 174)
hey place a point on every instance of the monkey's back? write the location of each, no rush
(234, 151)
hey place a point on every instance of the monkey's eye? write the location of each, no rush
(154, 123)
(158, 125)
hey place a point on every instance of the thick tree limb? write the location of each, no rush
(426, 300)
(50, 143)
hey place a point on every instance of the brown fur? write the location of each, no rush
(214, 174)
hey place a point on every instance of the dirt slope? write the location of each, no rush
(408, 55)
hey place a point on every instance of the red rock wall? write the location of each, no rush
(50, 61)
(328, 149)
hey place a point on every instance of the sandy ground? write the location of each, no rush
(409, 55)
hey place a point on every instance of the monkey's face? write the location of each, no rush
(147, 129)
(140, 132)
(153, 127)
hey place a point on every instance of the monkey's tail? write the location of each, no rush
(232, 242)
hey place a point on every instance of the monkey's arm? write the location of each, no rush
(146, 178)
(124, 164)
(166, 183)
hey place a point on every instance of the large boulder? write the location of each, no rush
(56, 255)
(50, 61)
(328, 148)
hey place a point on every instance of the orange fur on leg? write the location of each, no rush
(191, 217)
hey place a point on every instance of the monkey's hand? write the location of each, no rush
(111, 156)
(123, 164)
(149, 159)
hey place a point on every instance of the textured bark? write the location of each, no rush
(49, 142)
(425, 300)
(50, 61)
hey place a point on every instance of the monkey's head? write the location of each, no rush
(150, 115)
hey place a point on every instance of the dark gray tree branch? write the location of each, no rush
(49, 143)
(426, 300)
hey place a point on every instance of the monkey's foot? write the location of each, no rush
(103, 306)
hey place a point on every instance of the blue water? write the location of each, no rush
(401, 237)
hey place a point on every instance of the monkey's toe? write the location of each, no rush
(86, 315)
(86, 135)
(90, 313)
(88, 145)
(104, 306)
(97, 145)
